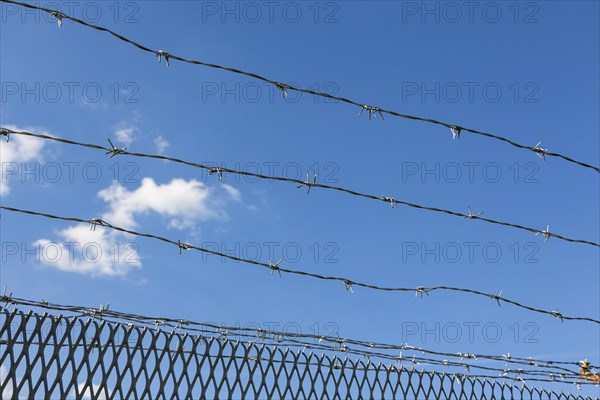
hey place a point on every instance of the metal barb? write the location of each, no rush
(97, 312)
(261, 333)
(308, 183)
(467, 356)
(218, 171)
(531, 362)
(5, 132)
(183, 246)
(420, 290)
(6, 299)
(348, 285)
(546, 233)
(113, 150)
(222, 332)
(558, 315)
(275, 267)
(455, 131)
(391, 200)
(180, 324)
(541, 153)
(160, 54)
(497, 298)
(94, 222)
(283, 89)
(518, 378)
(59, 16)
(278, 338)
(371, 112)
(158, 323)
(472, 215)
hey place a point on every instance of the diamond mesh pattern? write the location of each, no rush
(50, 356)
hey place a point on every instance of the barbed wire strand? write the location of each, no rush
(211, 330)
(371, 110)
(279, 339)
(348, 283)
(307, 183)
(178, 324)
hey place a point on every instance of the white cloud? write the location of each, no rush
(126, 131)
(161, 144)
(105, 252)
(8, 390)
(97, 105)
(87, 393)
(126, 135)
(84, 392)
(99, 252)
(15, 153)
(232, 192)
(185, 202)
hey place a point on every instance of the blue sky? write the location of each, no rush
(529, 73)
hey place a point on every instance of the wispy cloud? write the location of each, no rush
(161, 144)
(104, 252)
(125, 135)
(99, 252)
(8, 389)
(184, 202)
(85, 392)
(16, 152)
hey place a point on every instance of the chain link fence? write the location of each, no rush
(57, 357)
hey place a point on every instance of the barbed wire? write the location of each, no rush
(260, 337)
(308, 183)
(203, 327)
(290, 340)
(348, 283)
(372, 111)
